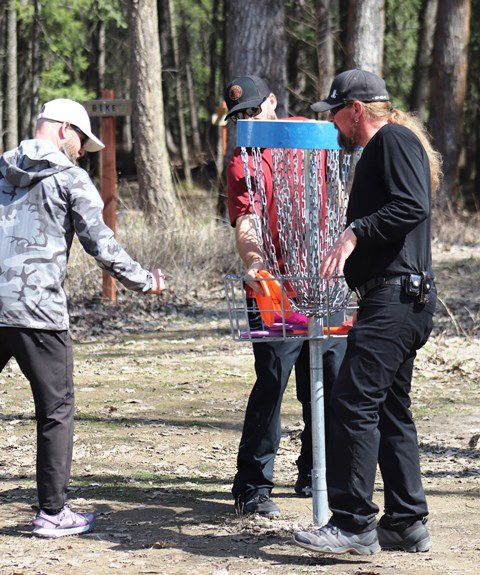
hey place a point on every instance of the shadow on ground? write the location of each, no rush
(191, 520)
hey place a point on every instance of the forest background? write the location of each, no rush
(173, 58)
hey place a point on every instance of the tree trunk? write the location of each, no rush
(179, 96)
(101, 56)
(36, 64)
(11, 95)
(471, 174)
(214, 93)
(192, 102)
(256, 44)
(127, 143)
(343, 25)
(296, 13)
(24, 79)
(324, 46)
(366, 26)
(157, 196)
(448, 89)
(197, 146)
(421, 76)
(163, 26)
(476, 193)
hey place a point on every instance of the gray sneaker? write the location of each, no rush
(331, 539)
(413, 539)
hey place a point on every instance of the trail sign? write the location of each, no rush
(108, 107)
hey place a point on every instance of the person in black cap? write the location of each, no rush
(385, 255)
(347, 87)
(250, 97)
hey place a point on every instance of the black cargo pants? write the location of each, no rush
(370, 419)
(45, 358)
(262, 428)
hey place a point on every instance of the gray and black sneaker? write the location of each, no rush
(333, 540)
(413, 539)
(261, 504)
(303, 485)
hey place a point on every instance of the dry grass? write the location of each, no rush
(460, 229)
(196, 250)
(193, 252)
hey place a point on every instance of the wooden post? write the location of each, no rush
(109, 189)
(107, 109)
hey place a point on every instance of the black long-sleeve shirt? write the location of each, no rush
(390, 203)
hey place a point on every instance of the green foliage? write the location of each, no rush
(401, 37)
(57, 83)
(68, 46)
(110, 11)
(194, 21)
(66, 28)
(24, 11)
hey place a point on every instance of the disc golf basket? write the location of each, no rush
(309, 174)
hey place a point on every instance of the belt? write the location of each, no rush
(362, 290)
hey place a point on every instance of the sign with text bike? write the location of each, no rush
(99, 108)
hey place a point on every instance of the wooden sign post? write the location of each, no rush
(108, 108)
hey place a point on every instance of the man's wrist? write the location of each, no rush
(353, 227)
(149, 282)
(255, 264)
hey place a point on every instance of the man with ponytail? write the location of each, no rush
(385, 254)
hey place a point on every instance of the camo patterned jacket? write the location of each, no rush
(44, 200)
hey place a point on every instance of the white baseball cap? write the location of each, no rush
(64, 110)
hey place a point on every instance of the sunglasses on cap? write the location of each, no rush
(246, 113)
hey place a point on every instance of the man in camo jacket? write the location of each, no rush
(44, 199)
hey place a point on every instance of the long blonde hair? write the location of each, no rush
(381, 110)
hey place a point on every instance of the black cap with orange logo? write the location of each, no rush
(245, 92)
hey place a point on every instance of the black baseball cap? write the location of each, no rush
(353, 85)
(245, 92)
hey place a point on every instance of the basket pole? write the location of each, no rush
(319, 479)
(315, 334)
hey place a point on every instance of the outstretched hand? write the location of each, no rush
(158, 282)
(335, 258)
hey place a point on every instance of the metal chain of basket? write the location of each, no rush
(310, 200)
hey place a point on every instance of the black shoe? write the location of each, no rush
(413, 539)
(303, 485)
(261, 504)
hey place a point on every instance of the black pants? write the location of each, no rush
(262, 427)
(45, 358)
(370, 416)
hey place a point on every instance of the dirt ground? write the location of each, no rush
(160, 401)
